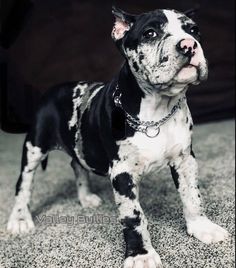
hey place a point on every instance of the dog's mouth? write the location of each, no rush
(193, 71)
(189, 73)
(188, 69)
(186, 74)
(189, 65)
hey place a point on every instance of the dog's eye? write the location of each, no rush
(149, 34)
(194, 30)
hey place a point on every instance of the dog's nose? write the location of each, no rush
(187, 47)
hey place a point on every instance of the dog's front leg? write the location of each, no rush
(184, 172)
(139, 250)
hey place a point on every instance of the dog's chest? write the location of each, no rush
(154, 153)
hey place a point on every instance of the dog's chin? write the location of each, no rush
(187, 75)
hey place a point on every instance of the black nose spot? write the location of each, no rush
(185, 50)
(188, 51)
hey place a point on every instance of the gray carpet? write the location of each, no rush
(64, 244)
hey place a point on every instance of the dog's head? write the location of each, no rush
(162, 48)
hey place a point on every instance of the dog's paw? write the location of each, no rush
(149, 260)
(20, 222)
(206, 231)
(90, 201)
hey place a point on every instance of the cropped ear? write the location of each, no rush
(191, 13)
(123, 23)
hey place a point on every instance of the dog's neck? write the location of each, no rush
(136, 101)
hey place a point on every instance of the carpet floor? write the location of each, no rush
(67, 235)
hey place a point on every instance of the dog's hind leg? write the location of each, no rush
(86, 198)
(20, 220)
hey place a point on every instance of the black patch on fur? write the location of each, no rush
(166, 36)
(187, 27)
(131, 223)
(44, 163)
(184, 19)
(134, 243)
(124, 185)
(133, 239)
(141, 57)
(193, 154)
(191, 127)
(118, 124)
(175, 176)
(136, 68)
(191, 151)
(96, 132)
(164, 59)
(136, 212)
(24, 163)
(152, 20)
(18, 185)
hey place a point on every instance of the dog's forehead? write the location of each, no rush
(164, 21)
(153, 18)
(170, 20)
(176, 21)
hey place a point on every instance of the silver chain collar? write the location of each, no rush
(150, 128)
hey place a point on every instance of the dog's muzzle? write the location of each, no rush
(189, 48)
(194, 68)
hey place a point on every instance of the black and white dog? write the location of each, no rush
(137, 123)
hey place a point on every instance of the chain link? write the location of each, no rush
(140, 125)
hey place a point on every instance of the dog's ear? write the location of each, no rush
(191, 13)
(123, 23)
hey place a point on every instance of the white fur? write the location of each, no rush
(86, 198)
(174, 27)
(90, 200)
(76, 104)
(206, 231)
(187, 169)
(149, 260)
(143, 230)
(198, 224)
(94, 94)
(20, 220)
(152, 154)
(81, 160)
(80, 103)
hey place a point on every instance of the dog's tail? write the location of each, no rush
(44, 163)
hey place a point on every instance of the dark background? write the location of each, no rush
(46, 42)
